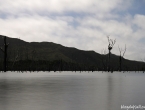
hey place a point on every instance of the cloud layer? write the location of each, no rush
(83, 24)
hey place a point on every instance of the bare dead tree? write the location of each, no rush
(5, 53)
(122, 53)
(33, 54)
(26, 53)
(143, 66)
(16, 58)
(110, 47)
(104, 60)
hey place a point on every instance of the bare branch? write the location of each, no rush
(111, 43)
(1, 49)
(124, 51)
(119, 49)
(108, 39)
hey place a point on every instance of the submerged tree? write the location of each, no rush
(121, 57)
(143, 66)
(17, 55)
(110, 47)
(5, 53)
(104, 59)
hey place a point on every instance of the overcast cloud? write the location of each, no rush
(83, 24)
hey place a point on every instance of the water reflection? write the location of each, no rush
(65, 91)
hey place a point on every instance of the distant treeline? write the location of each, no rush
(58, 65)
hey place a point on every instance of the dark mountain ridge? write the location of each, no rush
(19, 50)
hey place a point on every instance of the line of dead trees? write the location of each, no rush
(107, 61)
(16, 56)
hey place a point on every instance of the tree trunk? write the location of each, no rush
(109, 61)
(5, 55)
(120, 64)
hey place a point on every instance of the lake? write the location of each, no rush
(71, 91)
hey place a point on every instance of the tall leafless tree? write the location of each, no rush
(110, 47)
(143, 66)
(104, 59)
(122, 53)
(17, 55)
(5, 53)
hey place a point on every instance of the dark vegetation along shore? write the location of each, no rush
(18, 55)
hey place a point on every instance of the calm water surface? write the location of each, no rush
(71, 91)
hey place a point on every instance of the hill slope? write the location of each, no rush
(20, 50)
